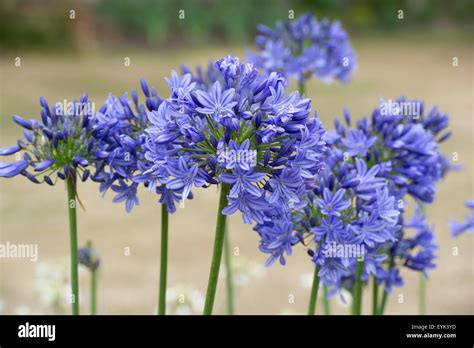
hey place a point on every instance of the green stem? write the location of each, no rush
(94, 292)
(327, 304)
(301, 87)
(384, 302)
(375, 294)
(229, 276)
(357, 295)
(314, 292)
(163, 260)
(71, 201)
(422, 295)
(391, 264)
(217, 252)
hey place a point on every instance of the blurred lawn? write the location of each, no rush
(418, 67)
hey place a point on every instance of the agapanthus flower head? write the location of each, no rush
(382, 160)
(403, 141)
(241, 130)
(355, 212)
(467, 225)
(305, 47)
(64, 142)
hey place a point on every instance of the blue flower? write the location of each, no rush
(219, 105)
(184, 177)
(385, 206)
(251, 207)
(277, 239)
(229, 67)
(332, 229)
(127, 194)
(357, 143)
(332, 204)
(169, 197)
(458, 228)
(287, 187)
(371, 230)
(368, 182)
(417, 252)
(332, 269)
(242, 181)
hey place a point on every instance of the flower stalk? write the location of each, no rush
(71, 201)
(327, 304)
(375, 297)
(163, 260)
(94, 292)
(314, 292)
(217, 252)
(422, 295)
(357, 295)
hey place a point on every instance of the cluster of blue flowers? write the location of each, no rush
(121, 123)
(304, 47)
(356, 210)
(241, 130)
(467, 225)
(64, 142)
(403, 142)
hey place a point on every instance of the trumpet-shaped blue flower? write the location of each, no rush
(277, 239)
(184, 177)
(242, 181)
(331, 204)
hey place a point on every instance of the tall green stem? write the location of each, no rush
(357, 295)
(71, 201)
(163, 260)
(375, 295)
(229, 275)
(384, 302)
(422, 295)
(314, 292)
(93, 292)
(327, 304)
(217, 253)
(301, 87)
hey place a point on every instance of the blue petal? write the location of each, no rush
(9, 150)
(10, 169)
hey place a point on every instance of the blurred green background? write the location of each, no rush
(152, 23)
(61, 58)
